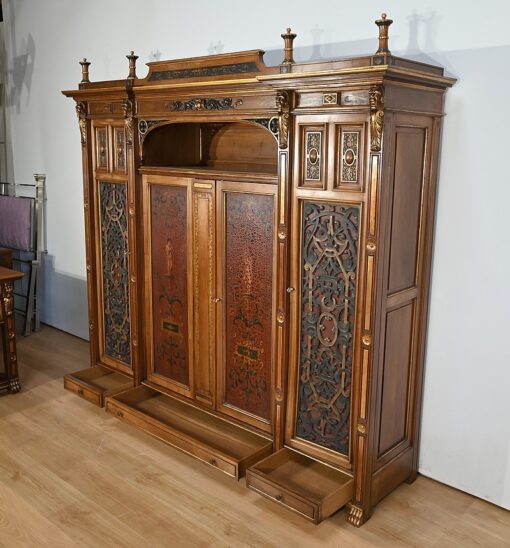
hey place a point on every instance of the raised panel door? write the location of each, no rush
(169, 297)
(246, 238)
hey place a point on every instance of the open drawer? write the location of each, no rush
(207, 437)
(95, 383)
(310, 488)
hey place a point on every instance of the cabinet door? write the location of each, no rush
(246, 239)
(168, 283)
(114, 311)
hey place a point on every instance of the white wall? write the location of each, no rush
(466, 423)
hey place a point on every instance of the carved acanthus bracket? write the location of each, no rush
(376, 102)
(8, 298)
(283, 106)
(128, 110)
(81, 111)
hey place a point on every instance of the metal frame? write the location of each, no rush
(31, 310)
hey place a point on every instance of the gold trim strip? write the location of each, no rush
(368, 301)
(364, 381)
(283, 183)
(359, 466)
(202, 185)
(373, 194)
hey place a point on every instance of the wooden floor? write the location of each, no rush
(72, 475)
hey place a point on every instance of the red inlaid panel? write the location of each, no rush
(169, 237)
(248, 303)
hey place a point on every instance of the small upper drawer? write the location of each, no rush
(105, 108)
(95, 383)
(309, 488)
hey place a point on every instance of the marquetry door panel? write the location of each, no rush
(246, 239)
(325, 278)
(169, 297)
(113, 274)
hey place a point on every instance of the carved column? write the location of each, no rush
(283, 104)
(360, 506)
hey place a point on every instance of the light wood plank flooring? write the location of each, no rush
(72, 475)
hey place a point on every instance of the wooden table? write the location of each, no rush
(9, 379)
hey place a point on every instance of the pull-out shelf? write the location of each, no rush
(310, 488)
(94, 384)
(205, 436)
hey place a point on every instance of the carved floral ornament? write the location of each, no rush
(376, 102)
(128, 110)
(283, 106)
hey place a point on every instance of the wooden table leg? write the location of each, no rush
(11, 358)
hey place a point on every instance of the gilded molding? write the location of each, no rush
(376, 102)
(283, 106)
(128, 110)
(81, 111)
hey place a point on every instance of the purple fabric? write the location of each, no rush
(15, 222)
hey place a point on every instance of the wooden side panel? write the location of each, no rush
(248, 249)
(394, 404)
(408, 182)
(204, 262)
(169, 252)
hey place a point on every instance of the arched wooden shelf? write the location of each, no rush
(242, 146)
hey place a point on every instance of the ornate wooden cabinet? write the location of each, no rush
(258, 257)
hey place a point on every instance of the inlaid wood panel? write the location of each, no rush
(102, 145)
(119, 150)
(329, 264)
(169, 252)
(313, 159)
(114, 270)
(204, 259)
(349, 153)
(396, 372)
(248, 240)
(406, 209)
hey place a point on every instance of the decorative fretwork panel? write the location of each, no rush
(101, 148)
(169, 251)
(329, 261)
(249, 249)
(349, 159)
(114, 254)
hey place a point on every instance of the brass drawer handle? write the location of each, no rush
(80, 392)
(217, 300)
(279, 497)
(120, 414)
(290, 289)
(213, 462)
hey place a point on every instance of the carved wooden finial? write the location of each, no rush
(288, 39)
(384, 24)
(85, 71)
(132, 65)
